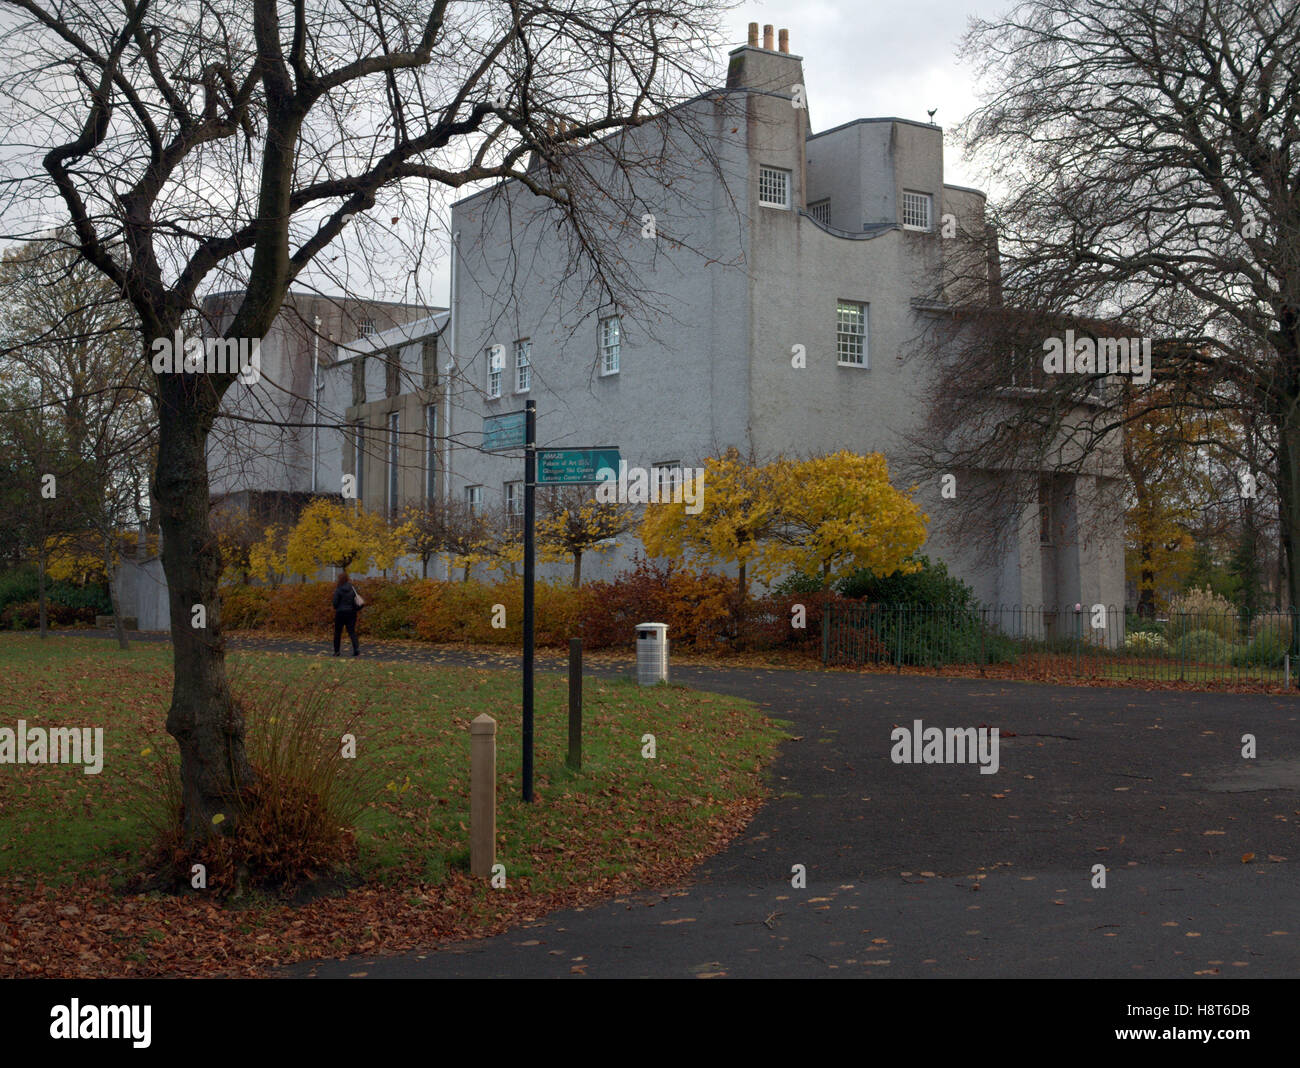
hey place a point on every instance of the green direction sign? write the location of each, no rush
(575, 467)
(503, 431)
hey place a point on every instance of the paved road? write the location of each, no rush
(931, 870)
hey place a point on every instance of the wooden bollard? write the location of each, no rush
(482, 795)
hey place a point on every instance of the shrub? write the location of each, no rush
(18, 585)
(245, 607)
(1202, 609)
(78, 604)
(931, 585)
(798, 583)
(1268, 648)
(26, 615)
(1276, 623)
(1145, 643)
(296, 823)
(302, 607)
(767, 622)
(1205, 647)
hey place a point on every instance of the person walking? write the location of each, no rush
(347, 604)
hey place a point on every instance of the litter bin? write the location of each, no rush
(651, 653)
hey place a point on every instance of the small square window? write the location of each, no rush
(773, 187)
(851, 333)
(611, 340)
(666, 480)
(916, 211)
(365, 328)
(821, 211)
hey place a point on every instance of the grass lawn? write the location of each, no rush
(68, 840)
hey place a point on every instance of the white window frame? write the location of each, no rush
(914, 199)
(365, 328)
(431, 452)
(474, 499)
(610, 351)
(523, 365)
(496, 361)
(768, 177)
(842, 336)
(513, 492)
(359, 457)
(394, 446)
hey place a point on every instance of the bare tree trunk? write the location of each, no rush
(577, 568)
(207, 727)
(40, 581)
(1288, 491)
(119, 627)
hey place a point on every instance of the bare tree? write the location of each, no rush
(70, 333)
(232, 144)
(1147, 153)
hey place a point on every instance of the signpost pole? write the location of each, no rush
(530, 490)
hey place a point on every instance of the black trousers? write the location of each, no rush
(349, 620)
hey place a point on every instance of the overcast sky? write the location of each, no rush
(871, 60)
(866, 61)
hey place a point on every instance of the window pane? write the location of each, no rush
(851, 333)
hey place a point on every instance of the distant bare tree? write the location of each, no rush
(1147, 149)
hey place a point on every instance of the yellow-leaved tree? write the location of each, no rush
(574, 523)
(740, 510)
(840, 514)
(267, 557)
(331, 534)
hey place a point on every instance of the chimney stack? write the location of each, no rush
(784, 37)
(767, 37)
(753, 35)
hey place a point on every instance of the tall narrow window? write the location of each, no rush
(523, 366)
(514, 494)
(851, 333)
(429, 361)
(394, 440)
(611, 336)
(431, 452)
(359, 380)
(495, 361)
(474, 499)
(392, 372)
(1044, 511)
(359, 457)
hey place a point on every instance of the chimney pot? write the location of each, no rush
(767, 37)
(784, 38)
(753, 34)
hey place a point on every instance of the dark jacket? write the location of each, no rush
(345, 598)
